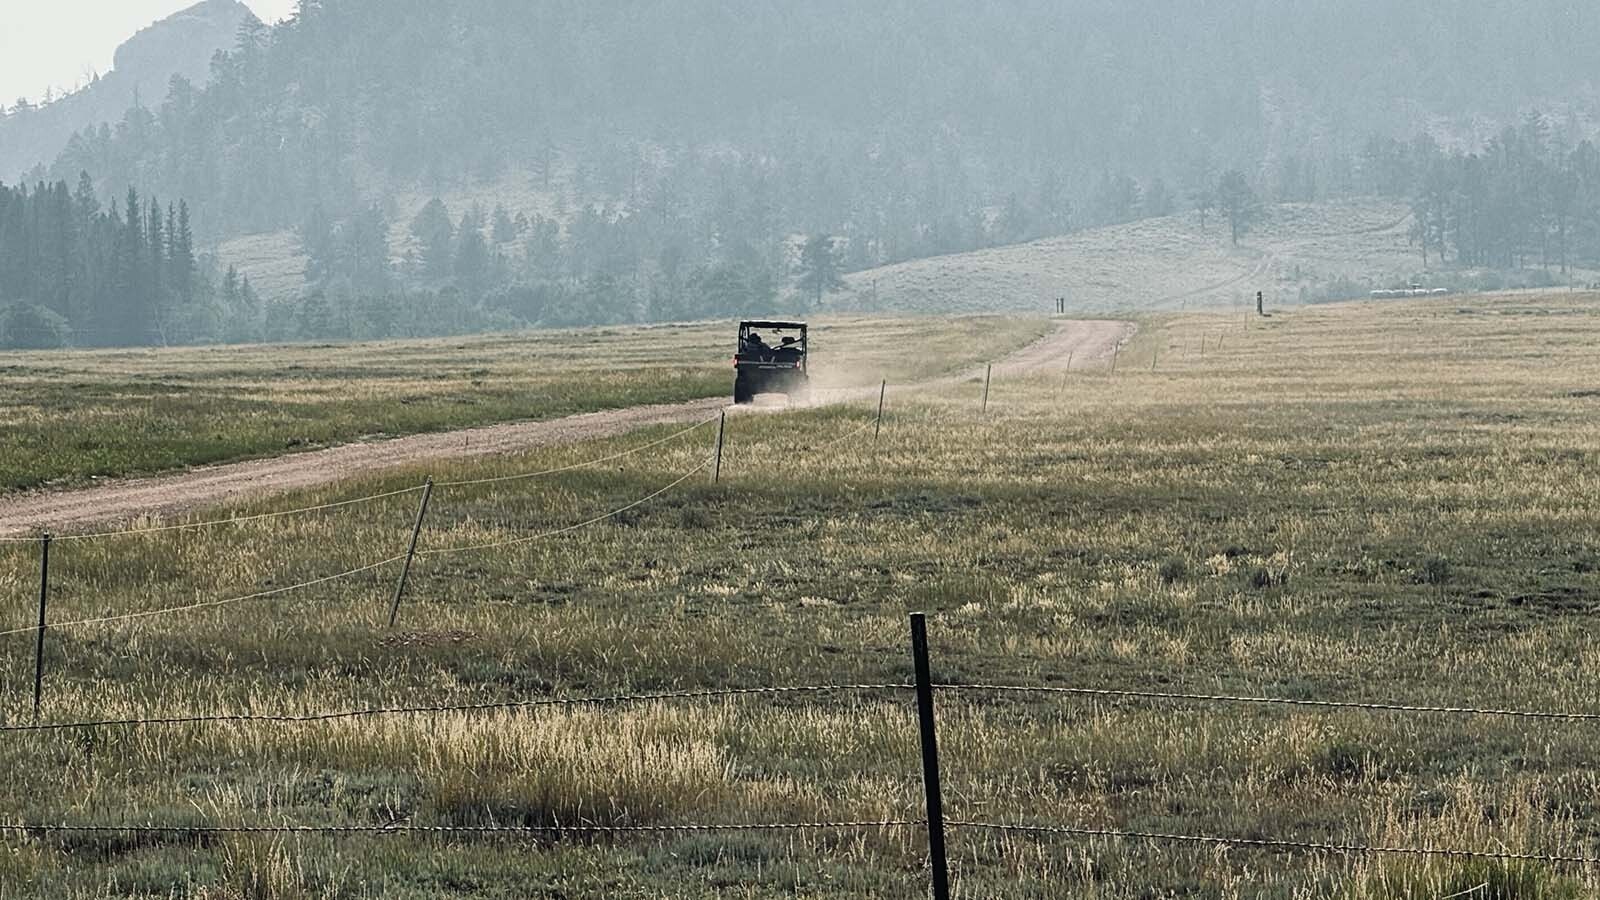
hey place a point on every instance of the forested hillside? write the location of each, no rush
(675, 159)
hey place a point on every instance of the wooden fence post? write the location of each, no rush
(938, 866)
(878, 427)
(411, 551)
(44, 598)
(716, 468)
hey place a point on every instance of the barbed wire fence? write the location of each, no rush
(931, 819)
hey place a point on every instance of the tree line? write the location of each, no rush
(1522, 199)
(72, 271)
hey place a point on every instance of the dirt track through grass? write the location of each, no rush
(861, 349)
(170, 495)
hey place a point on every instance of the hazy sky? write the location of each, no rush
(56, 43)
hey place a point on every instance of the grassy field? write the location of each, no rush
(1158, 264)
(1367, 502)
(71, 416)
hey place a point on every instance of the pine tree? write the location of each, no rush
(1237, 202)
(505, 230)
(316, 243)
(436, 234)
(819, 268)
(156, 246)
(183, 260)
(472, 255)
(133, 323)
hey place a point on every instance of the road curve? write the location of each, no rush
(1082, 342)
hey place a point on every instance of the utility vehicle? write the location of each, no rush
(771, 359)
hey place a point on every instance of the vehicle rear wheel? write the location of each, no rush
(742, 390)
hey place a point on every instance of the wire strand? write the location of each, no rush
(489, 545)
(212, 522)
(1272, 843)
(403, 828)
(846, 436)
(488, 706)
(579, 465)
(206, 604)
(1273, 701)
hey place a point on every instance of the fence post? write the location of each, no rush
(44, 597)
(411, 551)
(1154, 355)
(716, 467)
(1115, 352)
(1069, 358)
(878, 428)
(988, 372)
(930, 759)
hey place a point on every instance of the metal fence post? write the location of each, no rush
(878, 428)
(44, 597)
(937, 864)
(411, 551)
(716, 468)
(988, 373)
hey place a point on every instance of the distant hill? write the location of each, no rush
(894, 120)
(1157, 263)
(181, 44)
(375, 167)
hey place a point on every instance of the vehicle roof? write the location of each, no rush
(770, 324)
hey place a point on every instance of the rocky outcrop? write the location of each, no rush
(181, 44)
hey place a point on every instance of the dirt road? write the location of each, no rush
(1083, 342)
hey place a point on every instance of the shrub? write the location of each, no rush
(1173, 569)
(1435, 571)
(28, 326)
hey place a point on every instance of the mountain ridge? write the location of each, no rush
(143, 67)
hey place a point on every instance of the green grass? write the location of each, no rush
(1268, 519)
(73, 416)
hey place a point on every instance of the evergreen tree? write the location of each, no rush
(1237, 202)
(819, 268)
(317, 245)
(161, 313)
(472, 264)
(505, 230)
(133, 324)
(435, 234)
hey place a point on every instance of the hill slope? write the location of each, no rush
(142, 70)
(874, 118)
(1156, 263)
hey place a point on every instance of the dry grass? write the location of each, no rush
(1307, 474)
(1157, 264)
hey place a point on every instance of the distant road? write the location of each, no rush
(1084, 342)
